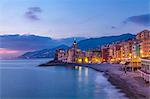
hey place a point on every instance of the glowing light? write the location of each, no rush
(96, 60)
(134, 56)
(86, 73)
(112, 60)
(79, 60)
(80, 68)
(86, 60)
(76, 67)
(80, 73)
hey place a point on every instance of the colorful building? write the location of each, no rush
(145, 48)
(144, 39)
(127, 47)
(61, 55)
(145, 69)
(127, 51)
(145, 34)
(73, 53)
(105, 53)
(94, 56)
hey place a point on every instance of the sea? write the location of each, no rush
(24, 79)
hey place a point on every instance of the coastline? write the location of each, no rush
(128, 83)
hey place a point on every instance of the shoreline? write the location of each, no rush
(128, 83)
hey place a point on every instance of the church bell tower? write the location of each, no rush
(75, 44)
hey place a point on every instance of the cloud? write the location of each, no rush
(113, 27)
(140, 19)
(33, 13)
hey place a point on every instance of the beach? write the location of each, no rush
(130, 83)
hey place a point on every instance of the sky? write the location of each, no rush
(73, 18)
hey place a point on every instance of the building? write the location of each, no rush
(127, 53)
(73, 53)
(105, 53)
(111, 52)
(122, 49)
(145, 48)
(145, 69)
(136, 49)
(135, 59)
(60, 55)
(144, 39)
(145, 34)
(69, 55)
(93, 56)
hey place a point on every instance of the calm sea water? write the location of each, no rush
(23, 79)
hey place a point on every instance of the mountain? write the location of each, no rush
(26, 42)
(83, 44)
(45, 53)
(32, 42)
(68, 41)
(98, 42)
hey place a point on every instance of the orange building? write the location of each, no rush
(144, 38)
(145, 48)
(143, 35)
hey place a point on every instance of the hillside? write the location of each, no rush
(33, 42)
(98, 42)
(45, 53)
(83, 44)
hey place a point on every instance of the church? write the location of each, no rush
(72, 55)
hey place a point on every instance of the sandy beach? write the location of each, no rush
(130, 83)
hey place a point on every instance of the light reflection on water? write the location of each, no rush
(27, 81)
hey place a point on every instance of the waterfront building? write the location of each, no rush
(118, 53)
(94, 56)
(145, 48)
(145, 69)
(105, 53)
(127, 53)
(80, 56)
(136, 61)
(71, 57)
(97, 56)
(145, 34)
(122, 49)
(144, 39)
(111, 52)
(115, 52)
(89, 55)
(61, 55)
(73, 53)
(136, 49)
